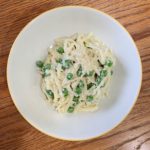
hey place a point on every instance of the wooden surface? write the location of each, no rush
(132, 134)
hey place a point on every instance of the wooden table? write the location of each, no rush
(133, 133)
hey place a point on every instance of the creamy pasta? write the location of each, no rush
(76, 73)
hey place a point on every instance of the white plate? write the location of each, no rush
(24, 81)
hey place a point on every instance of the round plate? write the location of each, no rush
(24, 80)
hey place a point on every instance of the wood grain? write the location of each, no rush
(132, 134)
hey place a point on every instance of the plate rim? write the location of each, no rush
(81, 7)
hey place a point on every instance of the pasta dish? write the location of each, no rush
(77, 72)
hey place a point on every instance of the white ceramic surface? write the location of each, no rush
(24, 80)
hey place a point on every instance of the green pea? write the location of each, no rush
(45, 67)
(85, 75)
(65, 92)
(74, 104)
(50, 93)
(78, 90)
(70, 109)
(63, 68)
(103, 73)
(59, 60)
(76, 99)
(60, 50)
(98, 80)
(90, 98)
(109, 63)
(79, 71)
(79, 87)
(69, 76)
(67, 64)
(90, 85)
(81, 84)
(39, 63)
(90, 74)
(45, 75)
